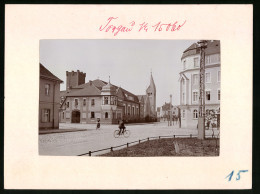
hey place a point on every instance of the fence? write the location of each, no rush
(147, 139)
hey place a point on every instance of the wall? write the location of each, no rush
(51, 102)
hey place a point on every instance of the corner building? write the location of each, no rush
(189, 82)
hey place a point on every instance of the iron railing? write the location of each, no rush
(147, 139)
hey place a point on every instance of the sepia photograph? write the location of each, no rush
(97, 94)
(129, 98)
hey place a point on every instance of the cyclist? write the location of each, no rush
(121, 126)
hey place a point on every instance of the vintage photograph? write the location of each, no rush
(129, 98)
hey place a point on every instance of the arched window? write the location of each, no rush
(195, 114)
(106, 115)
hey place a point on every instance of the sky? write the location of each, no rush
(129, 63)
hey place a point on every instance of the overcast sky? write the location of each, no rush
(128, 63)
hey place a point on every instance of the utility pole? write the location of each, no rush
(170, 110)
(201, 119)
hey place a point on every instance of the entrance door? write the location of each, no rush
(75, 117)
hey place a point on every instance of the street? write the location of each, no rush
(79, 142)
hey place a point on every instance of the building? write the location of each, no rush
(189, 82)
(97, 99)
(49, 99)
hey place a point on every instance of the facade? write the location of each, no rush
(97, 99)
(189, 82)
(49, 99)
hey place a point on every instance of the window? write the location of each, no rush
(46, 115)
(112, 101)
(219, 76)
(207, 59)
(195, 79)
(183, 113)
(196, 62)
(183, 82)
(207, 95)
(84, 102)
(195, 114)
(76, 102)
(125, 109)
(207, 78)
(212, 59)
(218, 94)
(137, 111)
(183, 97)
(106, 115)
(63, 115)
(195, 96)
(68, 104)
(184, 64)
(129, 109)
(106, 100)
(133, 110)
(47, 89)
(92, 102)
(92, 116)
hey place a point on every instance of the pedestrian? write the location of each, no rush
(98, 124)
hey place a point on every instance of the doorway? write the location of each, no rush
(75, 117)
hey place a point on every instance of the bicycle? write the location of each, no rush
(125, 132)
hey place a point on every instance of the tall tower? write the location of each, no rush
(74, 79)
(151, 94)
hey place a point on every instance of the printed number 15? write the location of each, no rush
(238, 175)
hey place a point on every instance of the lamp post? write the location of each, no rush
(201, 119)
(170, 110)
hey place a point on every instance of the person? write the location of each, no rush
(121, 126)
(98, 124)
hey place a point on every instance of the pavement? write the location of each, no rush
(76, 139)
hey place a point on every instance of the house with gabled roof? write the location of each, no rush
(49, 99)
(100, 100)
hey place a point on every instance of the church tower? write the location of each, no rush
(151, 95)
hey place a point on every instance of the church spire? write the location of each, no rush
(152, 84)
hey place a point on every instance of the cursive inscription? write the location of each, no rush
(114, 28)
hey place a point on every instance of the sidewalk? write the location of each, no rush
(49, 131)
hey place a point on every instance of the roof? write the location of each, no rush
(89, 90)
(46, 74)
(213, 47)
(93, 88)
(141, 98)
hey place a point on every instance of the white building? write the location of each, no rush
(189, 82)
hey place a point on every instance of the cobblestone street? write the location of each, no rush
(79, 142)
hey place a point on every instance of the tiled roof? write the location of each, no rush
(88, 90)
(94, 89)
(213, 47)
(46, 74)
